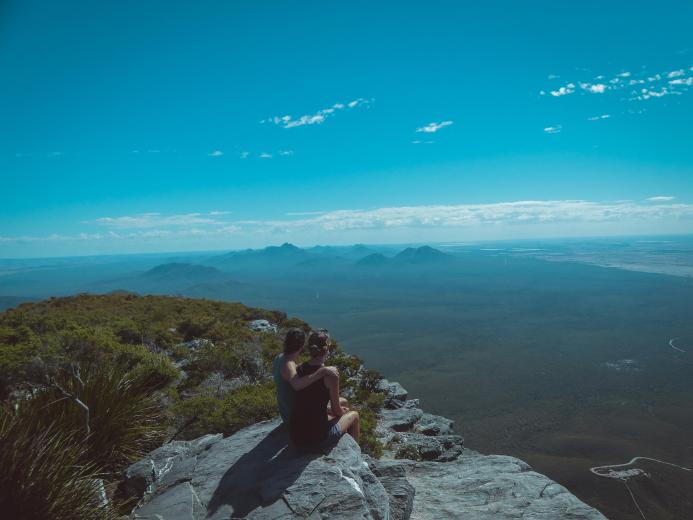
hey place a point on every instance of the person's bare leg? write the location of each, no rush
(343, 402)
(349, 423)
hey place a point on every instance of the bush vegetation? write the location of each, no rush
(120, 357)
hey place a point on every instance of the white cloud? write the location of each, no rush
(596, 88)
(523, 216)
(649, 94)
(681, 81)
(553, 129)
(216, 153)
(151, 220)
(286, 153)
(244, 155)
(433, 127)
(674, 82)
(494, 214)
(563, 91)
(597, 118)
(265, 155)
(319, 117)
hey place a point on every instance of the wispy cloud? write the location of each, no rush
(317, 118)
(433, 127)
(152, 220)
(682, 81)
(286, 153)
(598, 118)
(500, 215)
(265, 155)
(641, 86)
(216, 153)
(553, 129)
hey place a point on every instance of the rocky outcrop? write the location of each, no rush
(425, 474)
(254, 474)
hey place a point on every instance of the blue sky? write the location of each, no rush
(167, 126)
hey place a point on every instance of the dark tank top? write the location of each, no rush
(309, 425)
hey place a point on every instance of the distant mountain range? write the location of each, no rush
(288, 256)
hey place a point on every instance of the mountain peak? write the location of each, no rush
(423, 254)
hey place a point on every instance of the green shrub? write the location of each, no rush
(154, 372)
(408, 452)
(44, 475)
(370, 379)
(240, 408)
(368, 416)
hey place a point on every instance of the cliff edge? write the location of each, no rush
(425, 474)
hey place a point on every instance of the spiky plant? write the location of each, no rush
(43, 474)
(126, 418)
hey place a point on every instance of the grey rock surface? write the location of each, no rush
(401, 493)
(430, 424)
(255, 474)
(262, 326)
(490, 487)
(395, 394)
(401, 419)
(442, 448)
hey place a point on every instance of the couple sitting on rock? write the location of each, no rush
(308, 394)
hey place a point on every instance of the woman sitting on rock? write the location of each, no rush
(311, 425)
(287, 381)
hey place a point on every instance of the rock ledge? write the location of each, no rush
(425, 474)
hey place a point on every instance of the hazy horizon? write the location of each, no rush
(301, 245)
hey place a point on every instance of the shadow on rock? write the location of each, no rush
(261, 476)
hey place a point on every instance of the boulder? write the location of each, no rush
(262, 326)
(395, 394)
(392, 475)
(417, 446)
(141, 476)
(430, 424)
(400, 419)
(485, 487)
(256, 474)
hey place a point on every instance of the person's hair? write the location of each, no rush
(294, 340)
(317, 342)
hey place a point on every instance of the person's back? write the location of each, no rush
(309, 423)
(285, 393)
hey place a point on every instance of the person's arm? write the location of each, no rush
(297, 382)
(332, 384)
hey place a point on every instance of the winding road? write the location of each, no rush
(671, 344)
(608, 471)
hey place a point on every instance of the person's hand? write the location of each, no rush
(330, 371)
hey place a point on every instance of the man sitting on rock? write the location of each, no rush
(286, 378)
(311, 426)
